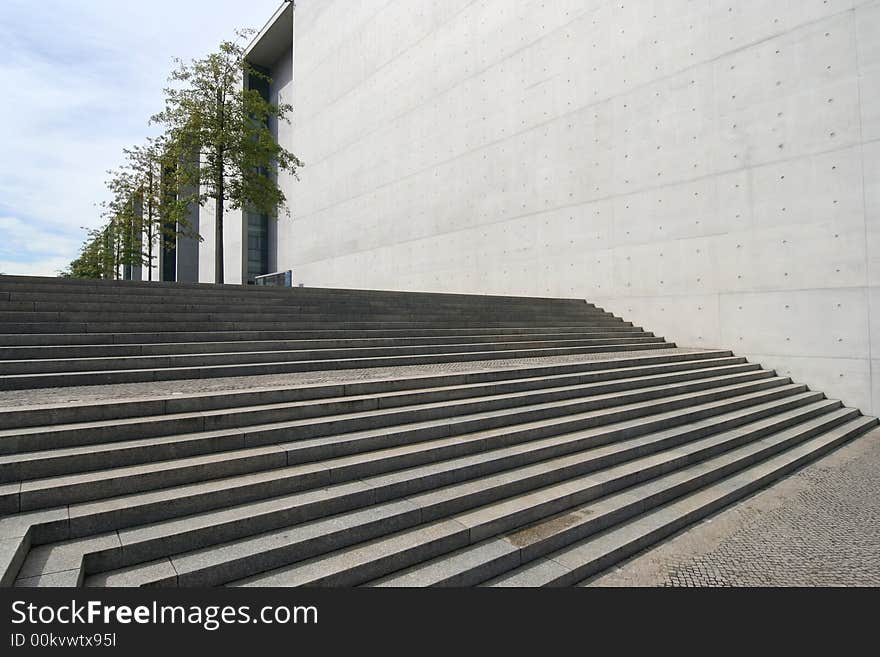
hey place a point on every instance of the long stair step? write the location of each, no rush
(588, 557)
(249, 324)
(43, 366)
(50, 352)
(659, 478)
(73, 413)
(130, 510)
(29, 439)
(467, 415)
(534, 465)
(28, 381)
(167, 337)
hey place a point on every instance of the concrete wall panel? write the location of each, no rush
(710, 170)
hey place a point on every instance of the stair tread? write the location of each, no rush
(561, 563)
(148, 442)
(431, 499)
(414, 474)
(313, 571)
(394, 394)
(360, 360)
(85, 360)
(518, 373)
(130, 501)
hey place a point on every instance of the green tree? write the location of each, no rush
(161, 194)
(89, 263)
(219, 132)
(122, 232)
(145, 169)
(117, 243)
(100, 255)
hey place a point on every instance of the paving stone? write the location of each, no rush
(817, 527)
(55, 521)
(538, 573)
(59, 557)
(12, 553)
(157, 573)
(463, 568)
(64, 579)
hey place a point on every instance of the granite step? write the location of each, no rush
(488, 412)
(465, 482)
(616, 493)
(583, 559)
(564, 373)
(106, 377)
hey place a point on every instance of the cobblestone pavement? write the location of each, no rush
(818, 527)
(120, 391)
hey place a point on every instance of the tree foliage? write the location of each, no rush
(219, 130)
(101, 255)
(163, 199)
(217, 147)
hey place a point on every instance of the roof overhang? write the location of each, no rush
(274, 39)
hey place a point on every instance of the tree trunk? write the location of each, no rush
(218, 237)
(150, 226)
(150, 252)
(117, 273)
(220, 193)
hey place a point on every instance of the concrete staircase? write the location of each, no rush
(72, 333)
(522, 475)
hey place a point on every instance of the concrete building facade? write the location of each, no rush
(710, 170)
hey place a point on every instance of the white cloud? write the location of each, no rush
(80, 80)
(22, 239)
(44, 267)
(33, 250)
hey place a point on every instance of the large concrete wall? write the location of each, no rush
(234, 244)
(709, 169)
(281, 92)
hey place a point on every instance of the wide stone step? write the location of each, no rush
(591, 556)
(64, 302)
(33, 381)
(466, 482)
(247, 324)
(75, 412)
(35, 366)
(10, 284)
(137, 338)
(250, 297)
(161, 315)
(83, 520)
(103, 423)
(119, 350)
(488, 412)
(639, 484)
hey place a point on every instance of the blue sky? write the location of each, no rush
(80, 79)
